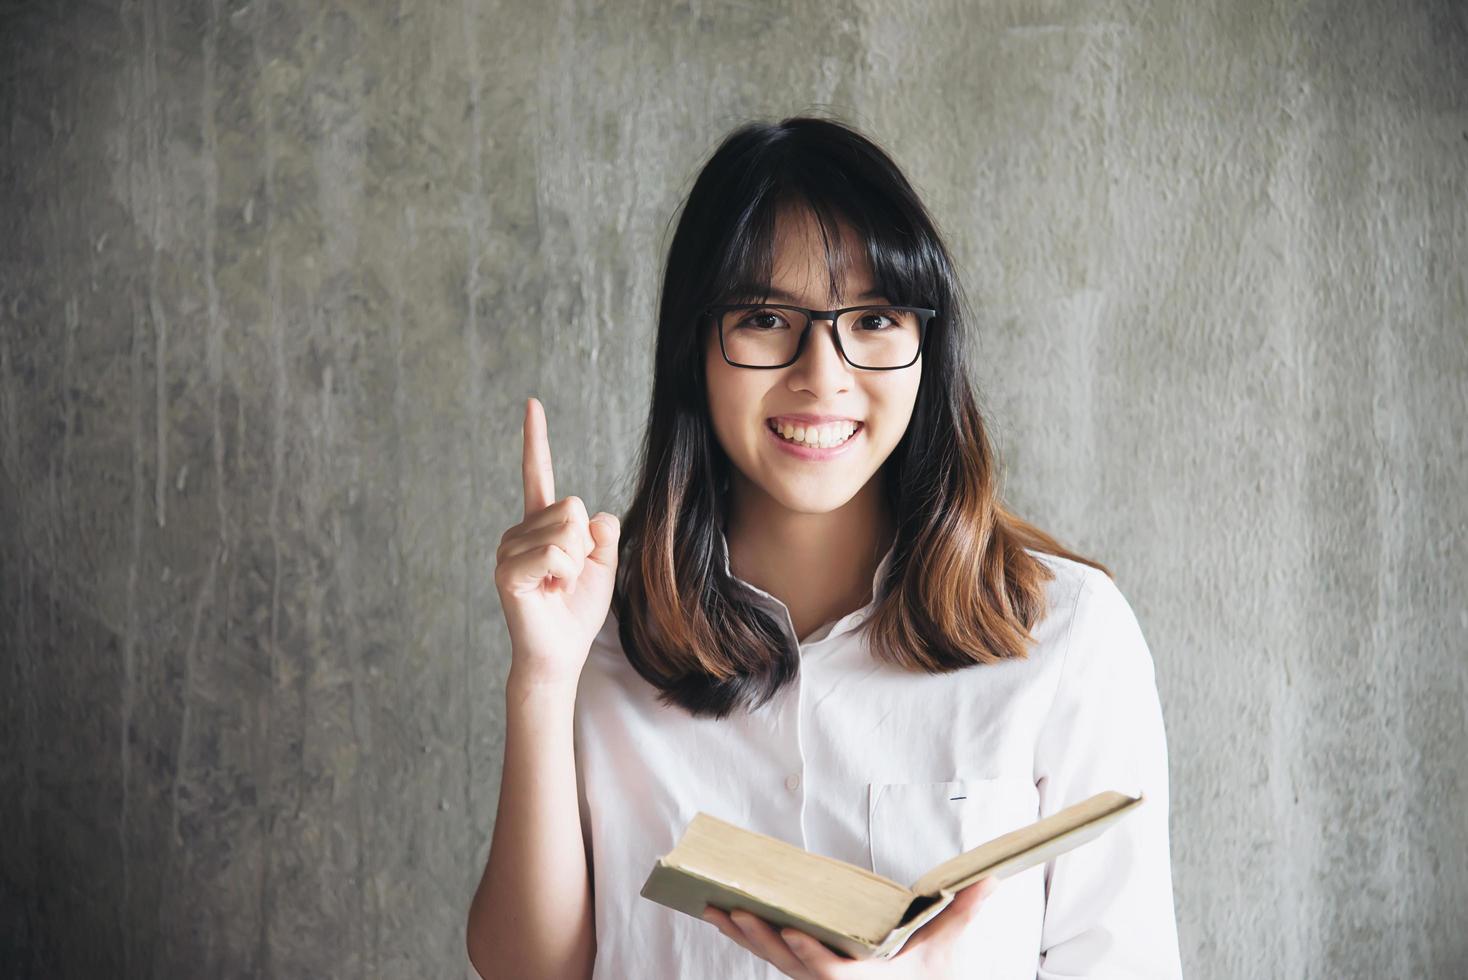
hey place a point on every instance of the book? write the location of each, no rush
(853, 911)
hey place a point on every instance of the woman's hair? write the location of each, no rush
(961, 589)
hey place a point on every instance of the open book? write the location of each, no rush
(852, 910)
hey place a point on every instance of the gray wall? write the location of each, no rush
(276, 278)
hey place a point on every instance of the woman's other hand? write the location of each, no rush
(554, 570)
(927, 953)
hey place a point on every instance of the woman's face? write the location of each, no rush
(743, 401)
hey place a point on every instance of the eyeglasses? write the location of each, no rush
(873, 338)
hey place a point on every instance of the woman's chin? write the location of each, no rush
(813, 494)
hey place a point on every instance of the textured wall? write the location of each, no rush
(276, 278)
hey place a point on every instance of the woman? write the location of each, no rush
(817, 622)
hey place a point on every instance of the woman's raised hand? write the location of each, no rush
(554, 571)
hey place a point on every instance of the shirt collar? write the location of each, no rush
(850, 619)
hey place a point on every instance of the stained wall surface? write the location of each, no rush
(276, 278)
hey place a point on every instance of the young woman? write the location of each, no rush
(818, 621)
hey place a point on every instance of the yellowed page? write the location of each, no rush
(1035, 844)
(840, 895)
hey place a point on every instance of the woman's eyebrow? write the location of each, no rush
(772, 292)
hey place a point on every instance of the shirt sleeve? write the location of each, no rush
(1108, 903)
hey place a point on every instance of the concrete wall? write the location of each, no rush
(276, 278)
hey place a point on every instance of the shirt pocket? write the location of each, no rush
(913, 826)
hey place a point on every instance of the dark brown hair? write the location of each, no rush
(961, 588)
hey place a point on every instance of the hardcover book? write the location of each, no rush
(853, 911)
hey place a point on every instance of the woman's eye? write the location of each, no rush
(763, 320)
(872, 321)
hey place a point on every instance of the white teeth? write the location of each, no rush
(820, 437)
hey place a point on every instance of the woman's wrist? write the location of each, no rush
(526, 687)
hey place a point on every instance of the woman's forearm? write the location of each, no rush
(531, 916)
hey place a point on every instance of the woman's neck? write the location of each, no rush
(819, 565)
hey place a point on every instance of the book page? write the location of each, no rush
(1023, 848)
(812, 886)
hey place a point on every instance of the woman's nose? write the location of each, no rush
(821, 358)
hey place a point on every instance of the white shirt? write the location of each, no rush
(896, 771)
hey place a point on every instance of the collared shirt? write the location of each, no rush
(896, 771)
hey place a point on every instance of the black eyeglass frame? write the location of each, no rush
(925, 315)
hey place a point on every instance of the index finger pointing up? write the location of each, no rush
(540, 482)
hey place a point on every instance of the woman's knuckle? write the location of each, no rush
(570, 538)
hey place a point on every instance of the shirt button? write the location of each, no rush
(792, 781)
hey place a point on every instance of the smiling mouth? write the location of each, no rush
(827, 436)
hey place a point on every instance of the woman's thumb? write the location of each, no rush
(960, 912)
(606, 531)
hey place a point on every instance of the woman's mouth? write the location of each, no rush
(814, 442)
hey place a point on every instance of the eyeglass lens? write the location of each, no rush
(872, 337)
